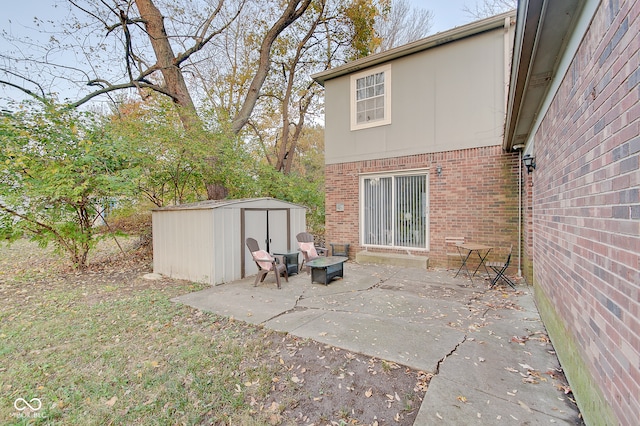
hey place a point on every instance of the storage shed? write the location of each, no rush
(205, 241)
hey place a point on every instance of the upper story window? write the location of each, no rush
(370, 98)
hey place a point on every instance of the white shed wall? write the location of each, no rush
(226, 244)
(183, 244)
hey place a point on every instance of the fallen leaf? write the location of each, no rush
(525, 406)
(462, 398)
(111, 402)
(520, 340)
(368, 393)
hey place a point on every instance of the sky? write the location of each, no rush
(447, 13)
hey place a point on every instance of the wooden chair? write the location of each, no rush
(500, 268)
(452, 252)
(308, 248)
(266, 263)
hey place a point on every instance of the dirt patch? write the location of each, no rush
(324, 384)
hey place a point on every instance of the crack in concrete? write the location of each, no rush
(296, 307)
(439, 364)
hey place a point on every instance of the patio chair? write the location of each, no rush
(308, 248)
(266, 263)
(500, 268)
(452, 253)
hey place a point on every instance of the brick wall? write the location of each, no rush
(476, 197)
(586, 206)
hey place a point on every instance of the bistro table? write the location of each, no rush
(324, 269)
(471, 248)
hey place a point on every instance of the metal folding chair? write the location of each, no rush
(500, 268)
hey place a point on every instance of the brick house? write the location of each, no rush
(573, 102)
(424, 142)
(413, 147)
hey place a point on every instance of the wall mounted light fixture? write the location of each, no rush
(529, 162)
(439, 170)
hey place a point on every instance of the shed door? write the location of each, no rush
(270, 229)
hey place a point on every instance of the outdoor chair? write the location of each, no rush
(308, 248)
(500, 268)
(266, 263)
(452, 253)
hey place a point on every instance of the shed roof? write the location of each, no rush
(215, 204)
(435, 40)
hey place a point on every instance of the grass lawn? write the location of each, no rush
(106, 346)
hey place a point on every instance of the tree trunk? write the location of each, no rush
(290, 14)
(166, 62)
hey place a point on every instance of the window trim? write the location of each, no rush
(386, 69)
(393, 174)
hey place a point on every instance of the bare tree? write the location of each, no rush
(289, 99)
(487, 8)
(403, 24)
(137, 28)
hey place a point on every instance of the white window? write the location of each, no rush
(394, 210)
(370, 98)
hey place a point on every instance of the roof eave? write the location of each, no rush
(542, 30)
(435, 40)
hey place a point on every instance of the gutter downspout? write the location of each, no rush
(519, 149)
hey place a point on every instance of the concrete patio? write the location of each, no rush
(487, 344)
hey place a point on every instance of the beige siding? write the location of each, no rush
(226, 245)
(466, 79)
(183, 244)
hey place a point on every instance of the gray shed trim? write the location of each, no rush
(216, 204)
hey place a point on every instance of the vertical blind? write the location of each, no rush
(395, 211)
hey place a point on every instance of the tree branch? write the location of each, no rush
(291, 13)
(200, 38)
(37, 223)
(128, 85)
(42, 99)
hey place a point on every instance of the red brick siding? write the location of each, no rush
(475, 197)
(586, 203)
